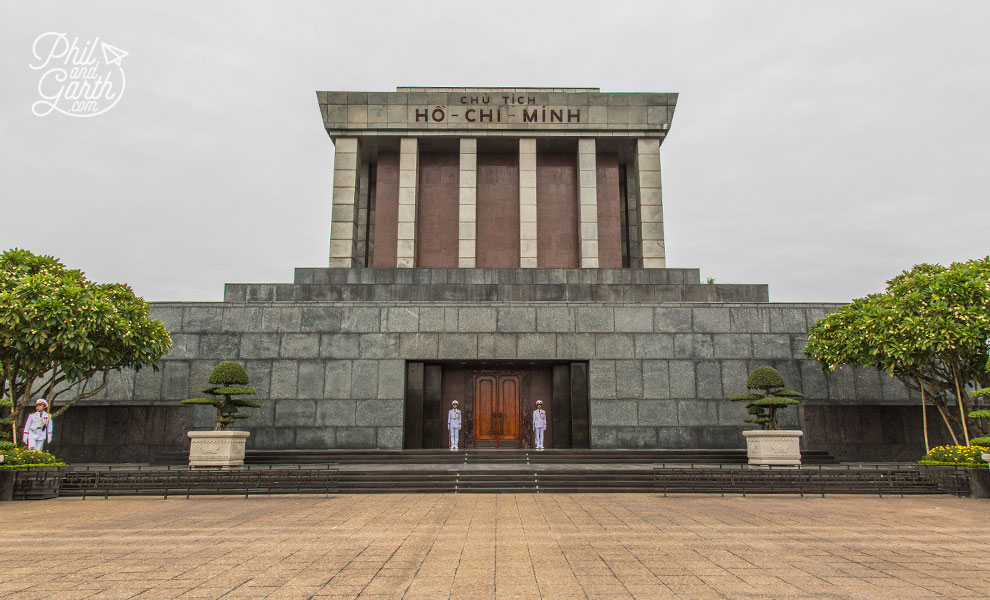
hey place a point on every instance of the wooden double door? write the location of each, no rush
(497, 411)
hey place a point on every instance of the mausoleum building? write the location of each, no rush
(495, 246)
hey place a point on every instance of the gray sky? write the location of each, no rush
(817, 147)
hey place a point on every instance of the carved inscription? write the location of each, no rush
(483, 109)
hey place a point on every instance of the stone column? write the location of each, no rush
(361, 237)
(588, 202)
(468, 229)
(650, 202)
(345, 197)
(408, 179)
(527, 203)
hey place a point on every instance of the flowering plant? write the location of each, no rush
(19, 458)
(958, 456)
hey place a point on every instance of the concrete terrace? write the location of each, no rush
(498, 546)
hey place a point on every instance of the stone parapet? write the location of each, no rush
(496, 285)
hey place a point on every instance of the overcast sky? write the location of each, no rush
(816, 147)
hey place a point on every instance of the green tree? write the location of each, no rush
(227, 381)
(929, 330)
(774, 396)
(61, 334)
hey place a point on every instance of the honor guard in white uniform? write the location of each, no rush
(454, 424)
(38, 428)
(539, 424)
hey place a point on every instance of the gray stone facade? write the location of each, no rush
(332, 374)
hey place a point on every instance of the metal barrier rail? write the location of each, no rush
(198, 481)
(817, 479)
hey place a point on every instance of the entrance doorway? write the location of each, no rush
(497, 411)
(497, 399)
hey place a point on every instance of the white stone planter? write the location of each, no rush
(217, 448)
(780, 447)
(986, 458)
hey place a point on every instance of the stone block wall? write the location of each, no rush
(331, 374)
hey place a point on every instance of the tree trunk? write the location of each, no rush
(945, 417)
(924, 416)
(959, 400)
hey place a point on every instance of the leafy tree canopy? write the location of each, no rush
(929, 329)
(61, 334)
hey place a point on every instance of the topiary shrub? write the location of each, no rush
(228, 380)
(775, 396)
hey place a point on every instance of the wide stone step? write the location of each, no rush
(166, 481)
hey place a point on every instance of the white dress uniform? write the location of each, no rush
(454, 425)
(38, 430)
(539, 426)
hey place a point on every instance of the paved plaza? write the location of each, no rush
(497, 546)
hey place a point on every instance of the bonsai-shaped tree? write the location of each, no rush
(227, 381)
(775, 396)
(982, 413)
